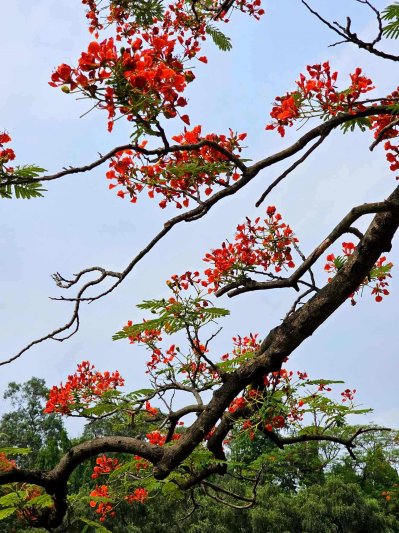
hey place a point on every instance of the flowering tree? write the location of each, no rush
(137, 68)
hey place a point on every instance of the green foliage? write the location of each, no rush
(173, 317)
(380, 271)
(34, 437)
(98, 528)
(394, 107)
(12, 450)
(305, 488)
(143, 11)
(12, 499)
(24, 190)
(219, 38)
(363, 123)
(5, 513)
(391, 14)
(41, 501)
(232, 364)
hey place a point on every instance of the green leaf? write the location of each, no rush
(391, 13)
(378, 272)
(4, 513)
(98, 527)
(173, 317)
(28, 171)
(171, 491)
(363, 123)
(137, 395)
(98, 410)
(10, 450)
(340, 261)
(219, 38)
(144, 11)
(43, 500)
(13, 498)
(23, 190)
(324, 382)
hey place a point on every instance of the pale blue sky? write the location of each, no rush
(81, 223)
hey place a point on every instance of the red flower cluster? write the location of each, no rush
(184, 282)
(181, 175)
(377, 279)
(317, 95)
(140, 463)
(243, 347)
(386, 128)
(277, 422)
(257, 245)
(104, 509)
(120, 13)
(252, 8)
(81, 389)
(150, 410)
(6, 154)
(104, 465)
(156, 438)
(274, 378)
(348, 394)
(139, 495)
(146, 78)
(6, 464)
(237, 403)
(148, 336)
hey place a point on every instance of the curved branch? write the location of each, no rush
(155, 152)
(250, 501)
(348, 443)
(349, 36)
(55, 481)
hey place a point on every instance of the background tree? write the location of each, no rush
(27, 426)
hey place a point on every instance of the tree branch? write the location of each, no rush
(241, 286)
(351, 37)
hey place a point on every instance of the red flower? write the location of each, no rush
(257, 245)
(81, 389)
(139, 495)
(104, 465)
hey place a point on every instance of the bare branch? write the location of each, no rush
(291, 169)
(350, 37)
(348, 443)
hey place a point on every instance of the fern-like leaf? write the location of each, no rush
(363, 123)
(391, 14)
(219, 38)
(24, 190)
(144, 11)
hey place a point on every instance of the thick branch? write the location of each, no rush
(55, 481)
(285, 338)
